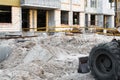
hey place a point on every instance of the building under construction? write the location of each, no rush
(29, 15)
(99, 13)
(45, 15)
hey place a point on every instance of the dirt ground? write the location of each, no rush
(49, 57)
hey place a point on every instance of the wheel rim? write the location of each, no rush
(104, 64)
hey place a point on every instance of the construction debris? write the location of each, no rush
(53, 57)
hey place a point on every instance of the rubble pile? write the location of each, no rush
(48, 57)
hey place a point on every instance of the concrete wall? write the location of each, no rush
(107, 7)
(74, 6)
(78, 5)
(16, 21)
(65, 5)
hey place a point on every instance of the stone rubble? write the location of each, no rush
(47, 57)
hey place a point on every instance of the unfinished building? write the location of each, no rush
(46, 15)
(99, 13)
(40, 15)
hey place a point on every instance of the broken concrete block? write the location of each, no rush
(5, 51)
(38, 53)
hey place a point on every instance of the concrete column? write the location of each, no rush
(100, 21)
(57, 18)
(16, 19)
(82, 19)
(89, 20)
(51, 21)
(47, 20)
(96, 20)
(70, 18)
(111, 22)
(54, 19)
(33, 19)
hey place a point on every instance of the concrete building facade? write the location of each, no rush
(40, 14)
(47, 14)
(99, 13)
(44, 15)
(10, 15)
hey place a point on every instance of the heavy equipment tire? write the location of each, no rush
(104, 61)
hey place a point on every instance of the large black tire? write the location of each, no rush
(104, 61)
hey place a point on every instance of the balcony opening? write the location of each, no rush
(64, 17)
(92, 19)
(75, 18)
(5, 14)
(41, 20)
(25, 19)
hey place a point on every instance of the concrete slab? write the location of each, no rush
(5, 51)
